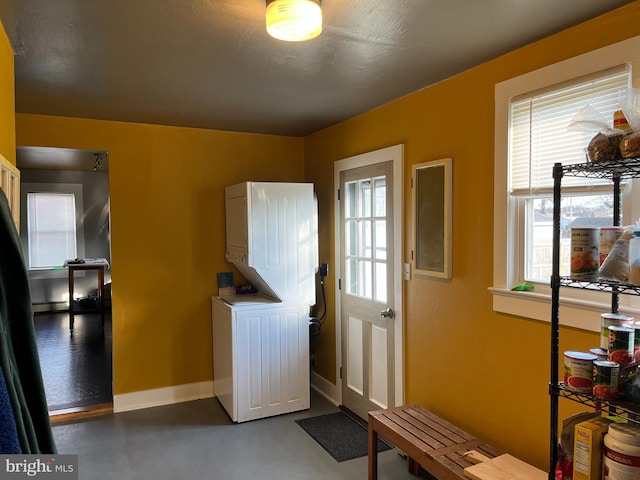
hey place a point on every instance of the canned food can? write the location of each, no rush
(605, 379)
(600, 353)
(609, 319)
(578, 371)
(608, 237)
(621, 345)
(585, 253)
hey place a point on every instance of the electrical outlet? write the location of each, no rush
(324, 270)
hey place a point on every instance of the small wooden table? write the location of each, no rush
(98, 265)
(426, 439)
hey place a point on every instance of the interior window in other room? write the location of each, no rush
(51, 230)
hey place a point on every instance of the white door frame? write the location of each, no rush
(394, 153)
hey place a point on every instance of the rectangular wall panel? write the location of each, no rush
(355, 371)
(379, 365)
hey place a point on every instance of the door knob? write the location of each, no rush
(386, 313)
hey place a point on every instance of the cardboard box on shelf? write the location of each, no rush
(587, 449)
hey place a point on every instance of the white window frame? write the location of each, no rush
(578, 308)
(71, 188)
(39, 237)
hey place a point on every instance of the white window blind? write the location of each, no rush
(539, 136)
(51, 228)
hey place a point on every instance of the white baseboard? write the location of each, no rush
(162, 396)
(195, 391)
(325, 388)
(50, 307)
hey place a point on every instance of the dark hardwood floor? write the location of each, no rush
(76, 367)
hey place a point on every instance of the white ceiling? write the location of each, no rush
(211, 64)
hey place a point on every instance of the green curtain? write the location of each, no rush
(18, 350)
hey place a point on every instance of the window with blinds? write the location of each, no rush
(539, 136)
(51, 229)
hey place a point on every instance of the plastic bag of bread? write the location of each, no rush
(630, 145)
(616, 266)
(605, 144)
(630, 104)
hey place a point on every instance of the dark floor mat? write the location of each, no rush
(342, 437)
(76, 368)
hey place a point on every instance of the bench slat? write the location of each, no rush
(431, 439)
(437, 430)
(448, 429)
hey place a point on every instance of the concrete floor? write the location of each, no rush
(197, 440)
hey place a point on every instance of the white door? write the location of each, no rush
(370, 282)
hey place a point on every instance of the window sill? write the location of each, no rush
(581, 314)
(41, 274)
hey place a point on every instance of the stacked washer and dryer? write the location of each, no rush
(261, 340)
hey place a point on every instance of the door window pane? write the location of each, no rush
(350, 238)
(380, 206)
(365, 198)
(380, 280)
(351, 274)
(365, 281)
(350, 198)
(380, 240)
(364, 238)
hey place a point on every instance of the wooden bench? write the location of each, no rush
(426, 439)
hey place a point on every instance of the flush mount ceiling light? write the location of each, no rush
(294, 20)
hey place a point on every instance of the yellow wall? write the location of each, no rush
(484, 371)
(7, 100)
(167, 232)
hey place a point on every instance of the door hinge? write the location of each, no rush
(411, 182)
(341, 372)
(338, 194)
(411, 255)
(339, 284)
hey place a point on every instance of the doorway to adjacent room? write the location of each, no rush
(64, 214)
